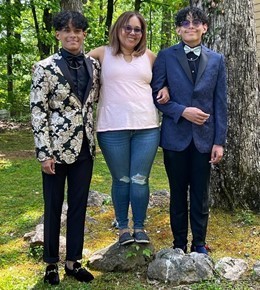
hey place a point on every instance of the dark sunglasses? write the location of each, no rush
(129, 29)
(187, 23)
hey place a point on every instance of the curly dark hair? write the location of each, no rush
(62, 20)
(195, 12)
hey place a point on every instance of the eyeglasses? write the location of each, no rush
(187, 23)
(129, 29)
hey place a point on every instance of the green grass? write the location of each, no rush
(12, 141)
(21, 202)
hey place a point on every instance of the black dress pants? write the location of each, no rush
(188, 170)
(78, 176)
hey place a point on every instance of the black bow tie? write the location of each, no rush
(75, 61)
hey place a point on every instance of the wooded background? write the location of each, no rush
(26, 36)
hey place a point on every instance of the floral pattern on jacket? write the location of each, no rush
(58, 116)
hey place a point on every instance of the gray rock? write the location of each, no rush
(167, 265)
(256, 271)
(35, 239)
(96, 198)
(231, 268)
(159, 198)
(173, 266)
(121, 258)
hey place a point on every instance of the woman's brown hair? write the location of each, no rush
(122, 20)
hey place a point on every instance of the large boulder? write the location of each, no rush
(173, 266)
(121, 258)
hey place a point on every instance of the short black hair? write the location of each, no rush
(62, 20)
(196, 13)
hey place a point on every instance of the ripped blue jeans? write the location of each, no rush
(129, 155)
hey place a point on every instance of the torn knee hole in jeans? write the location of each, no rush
(139, 179)
(125, 179)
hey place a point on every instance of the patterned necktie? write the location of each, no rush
(196, 50)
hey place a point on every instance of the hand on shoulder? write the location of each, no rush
(97, 53)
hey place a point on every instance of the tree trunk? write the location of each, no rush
(44, 48)
(236, 181)
(47, 20)
(9, 58)
(137, 5)
(73, 5)
(17, 35)
(110, 11)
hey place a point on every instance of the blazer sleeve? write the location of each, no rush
(39, 113)
(170, 109)
(220, 105)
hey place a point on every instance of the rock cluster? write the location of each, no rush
(168, 265)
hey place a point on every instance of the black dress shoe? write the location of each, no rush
(79, 273)
(52, 275)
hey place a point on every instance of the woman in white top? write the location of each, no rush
(127, 120)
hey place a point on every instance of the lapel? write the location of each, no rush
(202, 64)
(89, 66)
(181, 56)
(61, 63)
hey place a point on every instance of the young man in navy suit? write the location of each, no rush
(194, 124)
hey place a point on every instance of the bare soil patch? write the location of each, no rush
(17, 154)
(11, 125)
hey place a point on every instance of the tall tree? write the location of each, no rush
(110, 10)
(13, 46)
(74, 5)
(43, 46)
(138, 4)
(235, 183)
(9, 56)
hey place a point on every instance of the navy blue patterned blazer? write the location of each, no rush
(208, 93)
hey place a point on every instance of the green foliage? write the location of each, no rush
(108, 201)
(22, 42)
(22, 46)
(147, 253)
(134, 250)
(218, 284)
(36, 252)
(26, 118)
(131, 254)
(245, 217)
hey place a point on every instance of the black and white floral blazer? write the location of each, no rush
(58, 116)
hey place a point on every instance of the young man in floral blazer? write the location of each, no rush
(63, 93)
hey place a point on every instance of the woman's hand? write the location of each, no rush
(163, 96)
